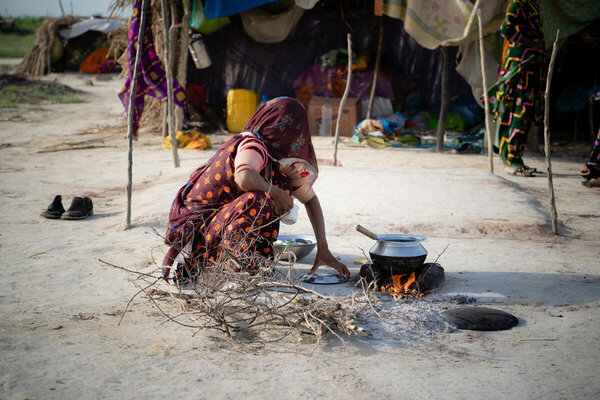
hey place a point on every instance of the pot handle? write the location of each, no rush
(366, 232)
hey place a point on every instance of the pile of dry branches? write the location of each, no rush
(265, 307)
(262, 304)
(37, 60)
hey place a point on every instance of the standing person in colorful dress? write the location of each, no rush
(232, 204)
(590, 173)
(517, 98)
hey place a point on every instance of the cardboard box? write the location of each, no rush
(350, 114)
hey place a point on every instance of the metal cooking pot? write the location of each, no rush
(398, 254)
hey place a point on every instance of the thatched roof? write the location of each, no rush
(37, 60)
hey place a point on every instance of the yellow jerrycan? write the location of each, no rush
(241, 105)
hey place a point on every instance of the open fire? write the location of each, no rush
(416, 284)
(401, 286)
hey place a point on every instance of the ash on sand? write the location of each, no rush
(409, 321)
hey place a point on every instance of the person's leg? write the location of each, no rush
(244, 228)
(515, 124)
(591, 169)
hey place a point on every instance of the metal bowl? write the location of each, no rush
(301, 247)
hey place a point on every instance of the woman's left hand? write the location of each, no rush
(324, 257)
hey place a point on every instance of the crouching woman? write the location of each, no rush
(232, 204)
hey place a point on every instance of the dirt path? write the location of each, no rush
(60, 307)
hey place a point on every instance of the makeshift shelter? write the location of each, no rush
(269, 46)
(239, 61)
(68, 42)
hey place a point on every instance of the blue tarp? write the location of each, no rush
(224, 8)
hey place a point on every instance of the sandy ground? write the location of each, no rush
(59, 306)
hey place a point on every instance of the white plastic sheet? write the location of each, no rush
(306, 4)
(92, 24)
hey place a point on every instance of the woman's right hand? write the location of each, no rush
(282, 201)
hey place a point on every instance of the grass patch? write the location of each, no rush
(66, 99)
(8, 101)
(15, 90)
(17, 39)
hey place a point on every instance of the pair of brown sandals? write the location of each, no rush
(521, 170)
(81, 207)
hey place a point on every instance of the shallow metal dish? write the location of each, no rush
(300, 250)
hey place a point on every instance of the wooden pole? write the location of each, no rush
(591, 114)
(130, 110)
(439, 147)
(488, 130)
(184, 42)
(376, 72)
(343, 101)
(169, 73)
(165, 123)
(553, 212)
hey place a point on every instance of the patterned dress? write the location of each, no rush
(591, 169)
(213, 214)
(516, 99)
(211, 217)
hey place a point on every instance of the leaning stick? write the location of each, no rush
(344, 97)
(376, 72)
(169, 73)
(165, 123)
(445, 94)
(553, 212)
(184, 41)
(488, 130)
(591, 114)
(130, 111)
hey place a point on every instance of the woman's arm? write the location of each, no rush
(249, 179)
(324, 256)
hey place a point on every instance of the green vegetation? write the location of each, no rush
(16, 39)
(15, 91)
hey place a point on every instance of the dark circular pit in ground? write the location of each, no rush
(480, 319)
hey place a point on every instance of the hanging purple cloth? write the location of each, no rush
(214, 9)
(152, 80)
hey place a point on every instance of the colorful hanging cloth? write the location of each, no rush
(152, 79)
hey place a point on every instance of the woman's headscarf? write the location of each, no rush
(282, 124)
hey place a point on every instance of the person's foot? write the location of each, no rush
(55, 209)
(81, 207)
(591, 183)
(518, 170)
(589, 172)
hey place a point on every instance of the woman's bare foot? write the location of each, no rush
(591, 183)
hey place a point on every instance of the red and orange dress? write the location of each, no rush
(211, 215)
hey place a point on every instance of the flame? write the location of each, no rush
(398, 289)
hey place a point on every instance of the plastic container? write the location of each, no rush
(241, 105)
(199, 53)
(325, 125)
(292, 216)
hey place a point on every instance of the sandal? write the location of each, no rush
(533, 170)
(518, 171)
